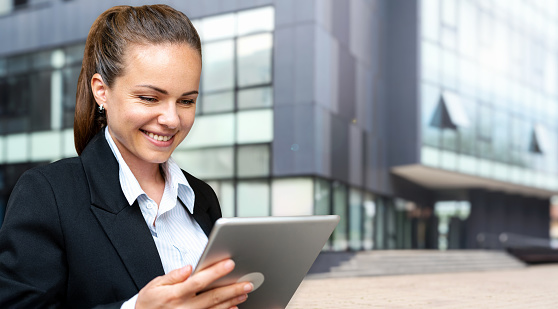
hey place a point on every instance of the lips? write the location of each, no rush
(161, 138)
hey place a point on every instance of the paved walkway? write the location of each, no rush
(531, 287)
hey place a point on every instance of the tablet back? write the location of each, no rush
(275, 252)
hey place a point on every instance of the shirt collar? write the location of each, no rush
(172, 172)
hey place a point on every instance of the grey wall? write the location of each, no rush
(403, 108)
(329, 89)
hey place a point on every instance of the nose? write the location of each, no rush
(169, 116)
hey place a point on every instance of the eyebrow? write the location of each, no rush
(166, 92)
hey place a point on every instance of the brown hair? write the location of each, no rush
(110, 34)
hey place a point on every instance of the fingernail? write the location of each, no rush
(249, 287)
(186, 269)
(242, 297)
(229, 265)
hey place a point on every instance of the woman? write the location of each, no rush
(121, 225)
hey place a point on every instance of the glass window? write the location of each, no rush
(250, 21)
(45, 146)
(430, 19)
(15, 113)
(467, 136)
(369, 211)
(6, 6)
(485, 122)
(449, 12)
(225, 193)
(501, 136)
(74, 54)
(218, 66)
(18, 64)
(340, 208)
(252, 198)
(355, 219)
(255, 98)
(467, 29)
(40, 88)
(70, 78)
(322, 200)
(292, 197)
(254, 126)
(211, 130)
(3, 67)
(217, 102)
(41, 60)
(254, 59)
(322, 194)
(208, 163)
(218, 27)
(449, 69)
(17, 148)
(430, 60)
(253, 160)
(430, 97)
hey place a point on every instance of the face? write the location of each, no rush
(150, 108)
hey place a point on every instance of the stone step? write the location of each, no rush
(399, 262)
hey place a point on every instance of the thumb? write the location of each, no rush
(176, 276)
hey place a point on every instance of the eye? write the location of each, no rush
(147, 99)
(187, 102)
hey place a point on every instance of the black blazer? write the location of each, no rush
(70, 239)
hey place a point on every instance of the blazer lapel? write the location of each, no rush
(123, 224)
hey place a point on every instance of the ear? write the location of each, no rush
(99, 89)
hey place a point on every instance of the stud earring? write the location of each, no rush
(101, 108)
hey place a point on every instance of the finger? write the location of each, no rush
(176, 276)
(227, 296)
(201, 280)
(231, 303)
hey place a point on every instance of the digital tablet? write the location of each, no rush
(274, 253)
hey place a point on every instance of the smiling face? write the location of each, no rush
(151, 107)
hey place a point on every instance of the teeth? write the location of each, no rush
(159, 138)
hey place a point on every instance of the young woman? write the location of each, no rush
(121, 225)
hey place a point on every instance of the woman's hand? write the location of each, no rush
(178, 290)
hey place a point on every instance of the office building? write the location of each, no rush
(424, 124)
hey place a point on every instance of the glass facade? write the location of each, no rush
(230, 145)
(488, 81)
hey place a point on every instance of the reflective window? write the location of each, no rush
(322, 201)
(261, 97)
(218, 66)
(340, 208)
(258, 20)
(501, 59)
(368, 213)
(355, 219)
(209, 163)
(254, 59)
(253, 160)
(292, 197)
(217, 27)
(430, 19)
(254, 126)
(252, 198)
(225, 193)
(216, 102)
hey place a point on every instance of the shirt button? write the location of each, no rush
(149, 205)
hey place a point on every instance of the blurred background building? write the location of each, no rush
(424, 124)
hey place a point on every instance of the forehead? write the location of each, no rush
(161, 63)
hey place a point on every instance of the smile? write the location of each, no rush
(161, 138)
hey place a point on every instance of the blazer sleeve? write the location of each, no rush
(32, 260)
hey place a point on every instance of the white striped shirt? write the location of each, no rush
(179, 239)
